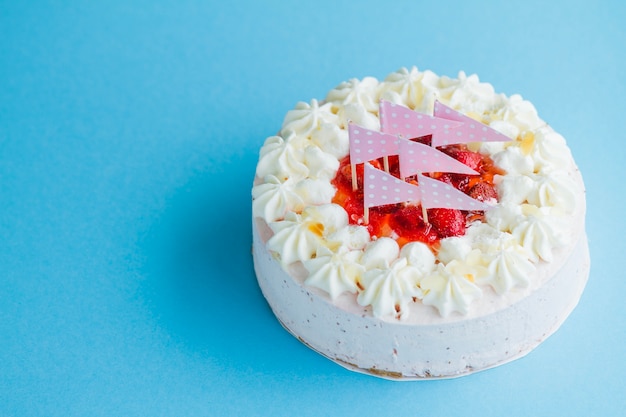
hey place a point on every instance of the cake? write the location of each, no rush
(411, 289)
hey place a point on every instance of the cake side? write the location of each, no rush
(398, 350)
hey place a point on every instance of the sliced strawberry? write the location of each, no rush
(483, 192)
(408, 223)
(471, 159)
(465, 156)
(407, 218)
(458, 181)
(448, 222)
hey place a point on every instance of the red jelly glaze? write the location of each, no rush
(405, 221)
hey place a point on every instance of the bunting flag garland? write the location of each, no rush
(469, 131)
(438, 194)
(381, 188)
(398, 125)
(416, 158)
(400, 120)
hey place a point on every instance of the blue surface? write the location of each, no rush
(129, 134)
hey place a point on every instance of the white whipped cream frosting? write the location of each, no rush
(308, 118)
(533, 218)
(451, 288)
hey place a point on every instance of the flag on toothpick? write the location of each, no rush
(400, 120)
(381, 188)
(446, 127)
(366, 145)
(469, 131)
(438, 194)
(416, 158)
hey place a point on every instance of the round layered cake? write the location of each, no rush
(419, 226)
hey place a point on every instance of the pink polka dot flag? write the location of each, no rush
(366, 144)
(400, 120)
(381, 188)
(398, 125)
(438, 194)
(416, 157)
(447, 126)
(469, 131)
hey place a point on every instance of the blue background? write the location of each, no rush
(129, 135)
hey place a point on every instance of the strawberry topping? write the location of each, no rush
(405, 221)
